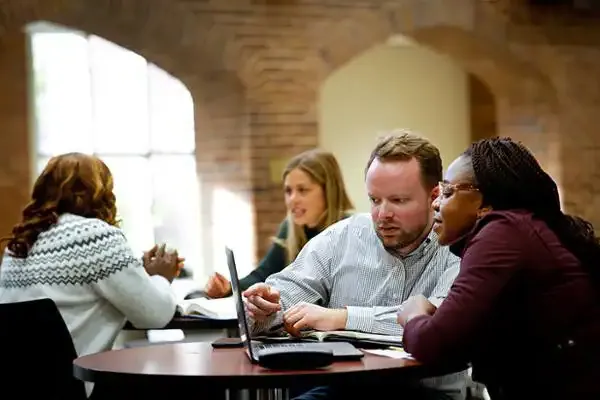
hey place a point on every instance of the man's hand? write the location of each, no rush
(413, 307)
(262, 300)
(306, 315)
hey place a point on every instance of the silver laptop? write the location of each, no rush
(340, 350)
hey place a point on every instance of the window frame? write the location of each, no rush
(40, 153)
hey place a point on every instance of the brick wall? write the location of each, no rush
(14, 143)
(254, 69)
(483, 110)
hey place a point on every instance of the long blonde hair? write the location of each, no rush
(322, 167)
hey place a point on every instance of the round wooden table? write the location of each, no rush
(198, 365)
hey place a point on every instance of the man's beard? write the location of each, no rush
(402, 240)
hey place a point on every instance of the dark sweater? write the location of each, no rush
(522, 310)
(276, 258)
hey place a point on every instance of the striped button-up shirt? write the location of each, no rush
(346, 266)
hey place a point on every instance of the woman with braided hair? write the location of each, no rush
(525, 307)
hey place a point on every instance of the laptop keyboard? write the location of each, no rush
(271, 345)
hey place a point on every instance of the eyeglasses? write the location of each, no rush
(448, 189)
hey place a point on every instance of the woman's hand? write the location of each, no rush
(413, 307)
(217, 286)
(151, 254)
(158, 261)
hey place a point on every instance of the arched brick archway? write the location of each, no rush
(158, 31)
(526, 101)
(130, 23)
(163, 34)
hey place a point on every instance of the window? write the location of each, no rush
(92, 96)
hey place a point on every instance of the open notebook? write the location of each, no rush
(213, 308)
(329, 336)
(358, 338)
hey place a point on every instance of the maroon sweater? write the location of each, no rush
(522, 310)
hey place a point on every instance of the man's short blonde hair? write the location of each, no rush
(404, 145)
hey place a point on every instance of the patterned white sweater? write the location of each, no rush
(86, 266)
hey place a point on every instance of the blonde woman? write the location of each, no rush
(315, 197)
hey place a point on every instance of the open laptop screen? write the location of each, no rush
(239, 303)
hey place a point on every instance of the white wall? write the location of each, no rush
(387, 88)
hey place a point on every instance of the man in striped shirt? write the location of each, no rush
(356, 274)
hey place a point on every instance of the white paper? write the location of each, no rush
(165, 335)
(399, 354)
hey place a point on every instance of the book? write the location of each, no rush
(352, 336)
(223, 308)
(360, 339)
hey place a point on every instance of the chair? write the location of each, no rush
(36, 348)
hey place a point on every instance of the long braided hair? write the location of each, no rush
(509, 177)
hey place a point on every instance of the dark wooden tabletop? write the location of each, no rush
(193, 323)
(199, 363)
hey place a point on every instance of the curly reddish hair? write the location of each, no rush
(73, 183)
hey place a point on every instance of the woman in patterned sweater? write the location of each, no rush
(68, 247)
